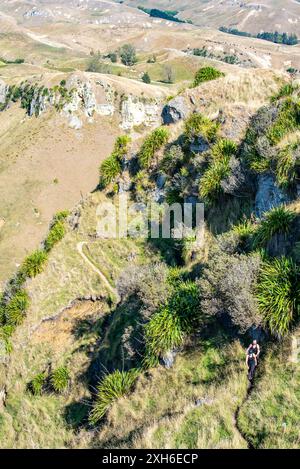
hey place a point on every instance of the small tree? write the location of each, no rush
(169, 75)
(128, 55)
(206, 74)
(146, 78)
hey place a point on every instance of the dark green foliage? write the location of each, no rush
(15, 309)
(170, 325)
(56, 234)
(151, 145)
(277, 220)
(37, 384)
(284, 92)
(146, 78)
(60, 379)
(288, 165)
(198, 126)
(114, 386)
(287, 121)
(278, 38)
(33, 264)
(112, 166)
(169, 15)
(278, 294)
(218, 170)
(128, 55)
(206, 74)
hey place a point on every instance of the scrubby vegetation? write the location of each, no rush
(111, 388)
(278, 38)
(112, 166)
(151, 145)
(206, 74)
(278, 294)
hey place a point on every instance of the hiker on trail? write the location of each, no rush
(254, 348)
(251, 362)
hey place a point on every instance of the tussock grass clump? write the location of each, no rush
(218, 170)
(112, 166)
(198, 126)
(37, 384)
(110, 389)
(287, 121)
(16, 308)
(206, 74)
(152, 144)
(60, 378)
(278, 294)
(287, 164)
(169, 326)
(285, 91)
(277, 220)
(33, 264)
(56, 234)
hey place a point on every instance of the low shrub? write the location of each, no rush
(277, 220)
(60, 378)
(37, 384)
(15, 309)
(198, 126)
(228, 286)
(151, 145)
(288, 165)
(206, 74)
(111, 388)
(33, 264)
(288, 120)
(56, 234)
(278, 294)
(170, 325)
(112, 166)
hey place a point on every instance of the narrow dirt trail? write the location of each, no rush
(236, 417)
(95, 269)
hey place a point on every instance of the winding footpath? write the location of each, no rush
(95, 269)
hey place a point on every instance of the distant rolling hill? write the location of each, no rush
(247, 15)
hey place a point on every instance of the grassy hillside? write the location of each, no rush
(89, 326)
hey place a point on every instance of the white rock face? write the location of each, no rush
(3, 91)
(135, 112)
(75, 122)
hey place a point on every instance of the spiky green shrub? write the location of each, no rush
(111, 388)
(219, 169)
(112, 166)
(288, 120)
(37, 383)
(151, 145)
(287, 164)
(285, 91)
(61, 216)
(33, 264)
(278, 294)
(199, 126)
(277, 220)
(15, 309)
(169, 326)
(245, 231)
(60, 378)
(206, 74)
(224, 147)
(56, 234)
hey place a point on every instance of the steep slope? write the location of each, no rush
(74, 322)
